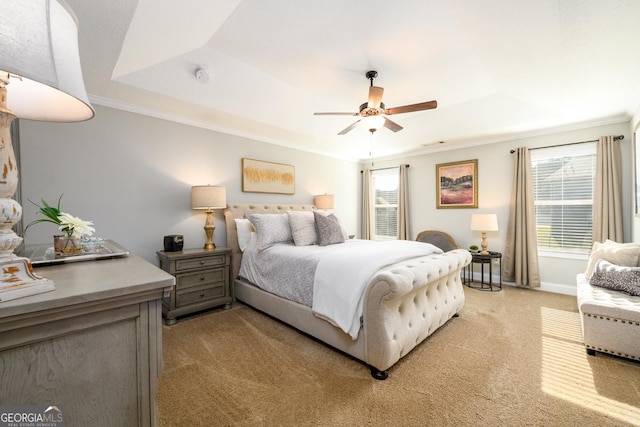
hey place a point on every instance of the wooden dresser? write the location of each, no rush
(202, 280)
(92, 347)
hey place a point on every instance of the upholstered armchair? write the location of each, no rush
(439, 239)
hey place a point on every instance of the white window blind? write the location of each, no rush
(563, 181)
(385, 186)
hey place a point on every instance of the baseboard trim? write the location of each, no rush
(556, 288)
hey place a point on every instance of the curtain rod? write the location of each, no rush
(615, 138)
(390, 167)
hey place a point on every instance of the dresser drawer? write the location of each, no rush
(203, 262)
(203, 294)
(200, 278)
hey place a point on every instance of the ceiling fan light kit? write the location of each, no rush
(373, 111)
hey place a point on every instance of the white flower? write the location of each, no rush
(75, 227)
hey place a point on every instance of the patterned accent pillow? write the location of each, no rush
(617, 278)
(245, 231)
(623, 254)
(271, 229)
(328, 229)
(344, 230)
(303, 227)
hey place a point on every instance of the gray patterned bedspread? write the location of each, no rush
(284, 269)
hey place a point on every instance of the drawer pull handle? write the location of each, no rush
(201, 294)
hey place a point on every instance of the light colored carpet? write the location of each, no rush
(512, 358)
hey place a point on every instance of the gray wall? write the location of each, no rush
(132, 176)
(495, 169)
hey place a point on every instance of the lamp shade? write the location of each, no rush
(208, 197)
(39, 40)
(484, 222)
(325, 201)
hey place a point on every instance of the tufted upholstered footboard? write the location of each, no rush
(404, 304)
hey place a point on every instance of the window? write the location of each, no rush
(563, 182)
(385, 186)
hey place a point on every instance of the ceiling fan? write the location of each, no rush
(373, 111)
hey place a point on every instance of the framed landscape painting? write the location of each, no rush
(457, 184)
(266, 177)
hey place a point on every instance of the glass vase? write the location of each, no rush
(65, 246)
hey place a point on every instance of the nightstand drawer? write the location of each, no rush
(200, 278)
(186, 298)
(190, 264)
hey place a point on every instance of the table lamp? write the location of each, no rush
(40, 79)
(325, 201)
(484, 223)
(208, 197)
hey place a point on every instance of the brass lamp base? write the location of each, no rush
(209, 228)
(18, 280)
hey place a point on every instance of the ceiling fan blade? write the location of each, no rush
(413, 107)
(375, 96)
(336, 114)
(349, 128)
(392, 125)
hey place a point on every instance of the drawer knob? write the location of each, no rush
(201, 277)
(201, 294)
(201, 262)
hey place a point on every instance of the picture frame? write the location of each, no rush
(457, 185)
(259, 176)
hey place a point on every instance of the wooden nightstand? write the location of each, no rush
(202, 281)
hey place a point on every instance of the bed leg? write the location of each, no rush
(379, 375)
(591, 352)
(456, 315)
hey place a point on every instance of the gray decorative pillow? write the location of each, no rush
(271, 229)
(616, 277)
(328, 229)
(303, 227)
(344, 230)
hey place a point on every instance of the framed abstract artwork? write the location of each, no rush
(457, 184)
(266, 177)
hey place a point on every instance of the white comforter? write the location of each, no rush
(342, 276)
(329, 279)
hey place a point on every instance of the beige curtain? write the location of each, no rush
(521, 257)
(607, 201)
(367, 205)
(403, 204)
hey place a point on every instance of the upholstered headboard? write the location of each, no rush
(238, 210)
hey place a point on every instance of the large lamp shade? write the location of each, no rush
(40, 79)
(39, 40)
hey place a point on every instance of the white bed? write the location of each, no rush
(402, 305)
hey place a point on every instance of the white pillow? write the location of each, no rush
(271, 229)
(303, 227)
(622, 254)
(245, 229)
